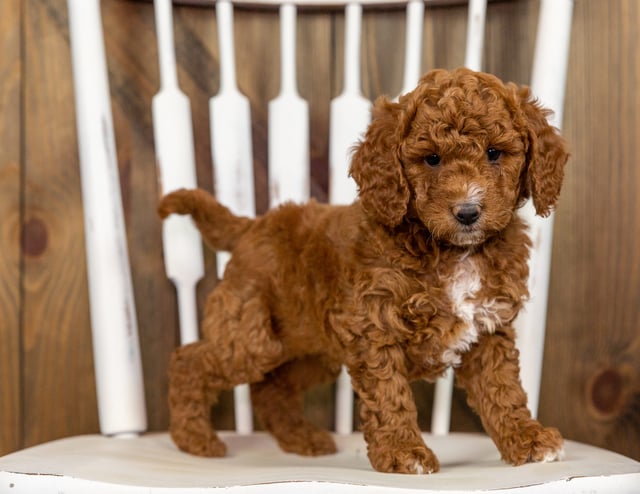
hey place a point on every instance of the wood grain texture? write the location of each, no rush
(591, 379)
(590, 386)
(59, 392)
(10, 212)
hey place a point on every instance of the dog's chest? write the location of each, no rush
(475, 309)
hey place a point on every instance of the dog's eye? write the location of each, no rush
(432, 159)
(493, 154)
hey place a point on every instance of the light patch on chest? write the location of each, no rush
(463, 287)
(474, 316)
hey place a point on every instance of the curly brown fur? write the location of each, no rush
(427, 270)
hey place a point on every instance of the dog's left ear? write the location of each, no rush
(376, 166)
(546, 156)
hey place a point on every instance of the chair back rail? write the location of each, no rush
(118, 367)
(230, 124)
(175, 158)
(288, 123)
(548, 82)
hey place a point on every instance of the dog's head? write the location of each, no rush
(460, 153)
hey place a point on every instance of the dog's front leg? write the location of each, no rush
(490, 373)
(388, 413)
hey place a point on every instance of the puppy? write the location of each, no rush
(426, 270)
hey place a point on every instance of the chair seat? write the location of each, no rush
(152, 464)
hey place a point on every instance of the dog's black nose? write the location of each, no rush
(466, 214)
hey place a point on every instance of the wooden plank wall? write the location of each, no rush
(10, 223)
(591, 381)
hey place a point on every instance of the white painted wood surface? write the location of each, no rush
(350, 113)
(328, 4)
(114, 326)
(231, 142)
(173, 136)
(152, 464)
(288, 124)
(476, 25)
(413, 45)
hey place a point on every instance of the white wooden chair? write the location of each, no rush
(124, 459)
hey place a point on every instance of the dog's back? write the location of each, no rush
(298, 256)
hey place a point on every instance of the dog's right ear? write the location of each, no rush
(546, 156)
(376, 166)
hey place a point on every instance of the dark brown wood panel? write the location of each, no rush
(10, 212)
(510, 39)
(591, 379)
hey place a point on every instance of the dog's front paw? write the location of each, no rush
(203, 443)
(415, 460)
(533, 443)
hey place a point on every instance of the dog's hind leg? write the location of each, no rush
(193, 389)
(278, 404)
(239, 347)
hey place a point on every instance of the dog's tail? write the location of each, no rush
(220, 228)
